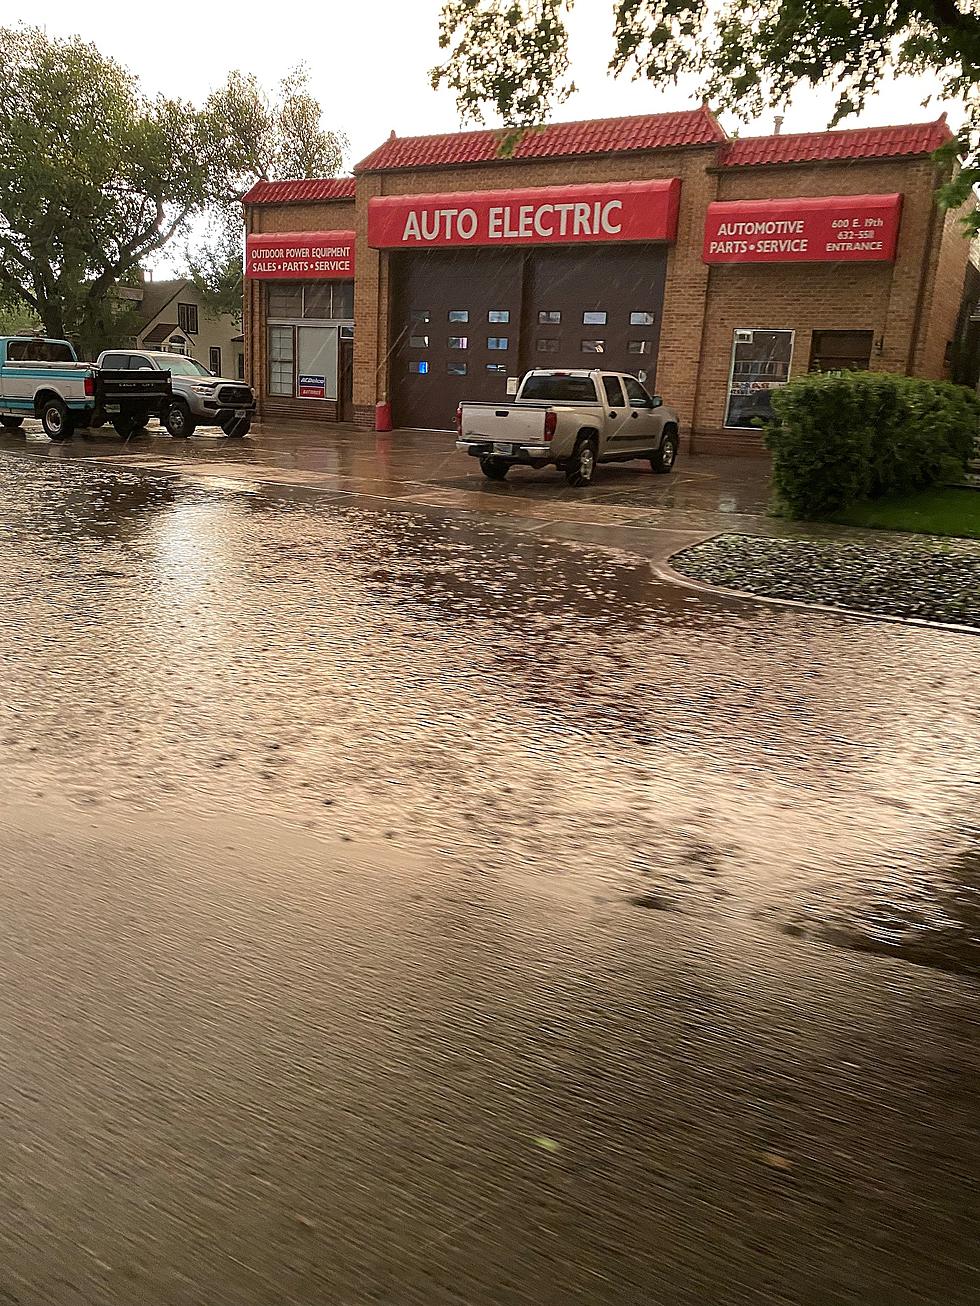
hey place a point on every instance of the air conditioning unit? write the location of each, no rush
(744, 337)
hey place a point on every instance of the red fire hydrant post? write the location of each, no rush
(382, 417)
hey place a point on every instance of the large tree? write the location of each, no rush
(511, 58)
(255, 136)
(94, 178)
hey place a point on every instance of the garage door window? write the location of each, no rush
(459, 315)
(459, 342)
(497, 342)
(456, 369)
(761, 361)
(593, 346)
(498, 315)
(549, 318)
(594, 318)
(641, 318)
(548, 345)
(418, 367)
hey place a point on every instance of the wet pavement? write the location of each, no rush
(400, 902)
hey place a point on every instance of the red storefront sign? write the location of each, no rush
(300, 255)
(824, 229)
(544, 215)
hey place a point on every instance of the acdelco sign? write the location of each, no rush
(815, 229)
(545, 215)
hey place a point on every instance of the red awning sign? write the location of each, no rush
(816, 229)
(543, 215)
(300, 255)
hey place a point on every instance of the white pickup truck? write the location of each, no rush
(41, 377)
(572, 420)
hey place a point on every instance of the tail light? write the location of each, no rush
(89, 387)
(550, 424)
(459, 421)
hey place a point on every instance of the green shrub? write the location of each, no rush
(842, 436)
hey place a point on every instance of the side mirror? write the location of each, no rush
(656, 401)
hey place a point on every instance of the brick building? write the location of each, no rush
(712, 268)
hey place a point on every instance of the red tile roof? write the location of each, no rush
(300, 191)
(853, 143)
(557, 140)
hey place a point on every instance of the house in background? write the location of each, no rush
(172, 317)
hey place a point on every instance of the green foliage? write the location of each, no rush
(841, 437)
(94, 177)
(505, 53)
(749, 55)
(253, 135)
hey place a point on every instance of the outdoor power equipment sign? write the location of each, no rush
(299, 255)
(818, 229)
(543, 215)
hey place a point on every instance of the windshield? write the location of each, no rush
(560, 389)
(181, 366)
(40, 351)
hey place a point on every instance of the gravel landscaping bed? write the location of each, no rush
(934, 582)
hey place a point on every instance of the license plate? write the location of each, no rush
(241, 412)
(503, 448)
(113, 408)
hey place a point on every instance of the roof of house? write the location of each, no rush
(558, 140)
(851, 143)
(161, 332)
(158, 294)
(300, 190)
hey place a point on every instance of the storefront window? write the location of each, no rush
(280, 360)
(841, 351)
(317, 370)
(286, 300)
(760, 362)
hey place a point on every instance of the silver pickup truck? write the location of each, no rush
(199, 397)
(572, 420)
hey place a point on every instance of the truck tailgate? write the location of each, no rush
(116, 385)
(510, 423)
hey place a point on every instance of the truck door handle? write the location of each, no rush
(612, 414)
(635, 416)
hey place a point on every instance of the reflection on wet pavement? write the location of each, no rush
(507, 700)
(352, 850)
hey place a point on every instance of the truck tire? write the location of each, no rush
(663, 460)
(236, 428)
(580, 468)
(127, 425)
(178, 420)
(494, 469)
(96, 420)
(11, 423)
(56, 419)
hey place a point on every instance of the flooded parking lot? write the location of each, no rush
(399, 906)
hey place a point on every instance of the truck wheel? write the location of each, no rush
(96, 420)
(56, 420)
(494, 469)
(236, 428)
(11, 423)
(580, 468)
(127, 425)
(663, 460)
(178, 420)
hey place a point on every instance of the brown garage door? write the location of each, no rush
(465, 320)
(590, 307)
(454, 332)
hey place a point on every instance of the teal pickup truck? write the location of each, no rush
(43, 378)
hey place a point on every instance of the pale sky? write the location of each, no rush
(369, 62)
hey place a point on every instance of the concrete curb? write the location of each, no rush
(666, 572)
